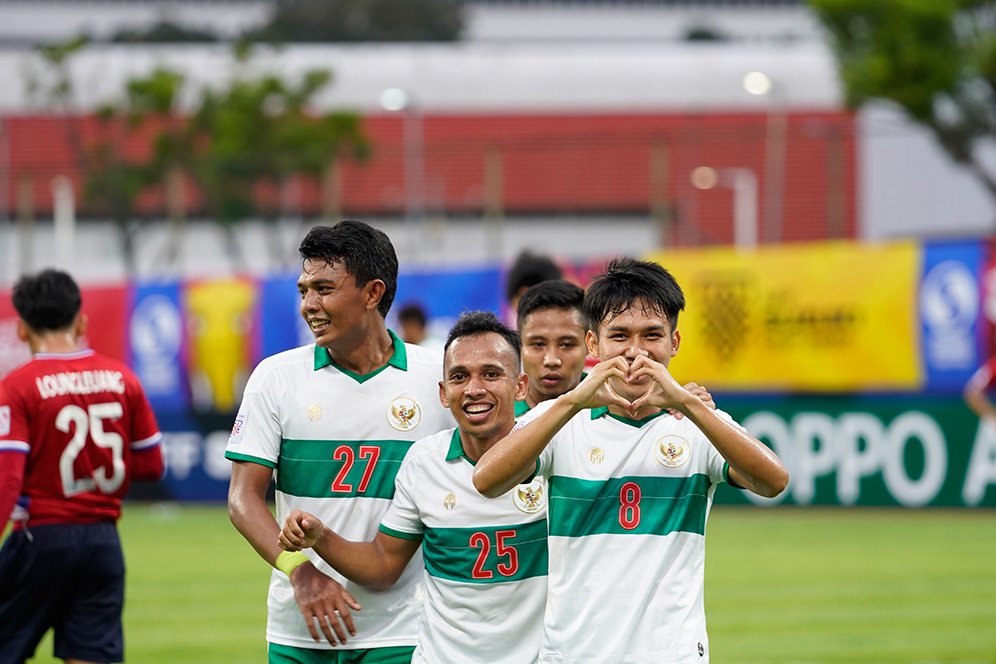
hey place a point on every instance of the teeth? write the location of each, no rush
(315, 324)
(479, 408)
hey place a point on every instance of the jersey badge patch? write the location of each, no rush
(314, 412)
(404, 414)
(449, 502)
(239, 427)
(4, 420)
(672, 451)
(596, 456)
(530, 498)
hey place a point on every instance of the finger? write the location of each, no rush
(335, 622)
(310, 622)
(347, 617)
(350, 601)
(675, 413)
(325, 622)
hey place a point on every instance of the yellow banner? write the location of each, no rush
(833, 316)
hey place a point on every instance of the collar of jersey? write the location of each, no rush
(398, 359)
(86, 352)
(456, 448)
(604, 410)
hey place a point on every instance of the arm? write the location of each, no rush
(377, 564)
(512, 459)
(975, 393)
(11, 478)
(318, 596)
(753, 465)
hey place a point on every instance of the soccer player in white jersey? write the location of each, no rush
(332, 421)
(485, 560)
(630, 485)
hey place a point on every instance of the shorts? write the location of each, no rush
(279, 654)
(69, 577)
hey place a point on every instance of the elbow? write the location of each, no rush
(483, 485)
(775, 485)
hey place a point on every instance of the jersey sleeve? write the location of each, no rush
(13, 453)
(545, 460)
(144, 438)
(402, 518)
(256, 432)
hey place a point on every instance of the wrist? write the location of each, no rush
(288, 561)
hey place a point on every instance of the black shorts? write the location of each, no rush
(69, 577)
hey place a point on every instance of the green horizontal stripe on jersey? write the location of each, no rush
(596, 507)
(339, 468)
(489, 554)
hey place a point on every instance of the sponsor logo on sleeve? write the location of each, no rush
(4, 420)
(238, 428)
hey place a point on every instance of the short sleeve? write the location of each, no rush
(403, 518)
(256, 432)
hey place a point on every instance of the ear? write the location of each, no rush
(81, 325)
(442, 395)
(23, 333)
(675, 342)
(375, 289)
(520, 387)
(591, 341)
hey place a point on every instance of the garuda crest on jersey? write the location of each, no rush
(530, 498)
(672, 451)
(404, 414)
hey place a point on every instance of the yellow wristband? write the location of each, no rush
(288, 561)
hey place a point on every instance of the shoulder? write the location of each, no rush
(421, 357)
(285, 361)
(431, 447)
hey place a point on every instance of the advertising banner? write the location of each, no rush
(826, 317)
(157, 347)
(949, 306)
(902, 450)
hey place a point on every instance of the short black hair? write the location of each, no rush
(627, 281)
(555, 294)
(413, 311)
(47, 301)
(365, 252)
(479, 322)
(528, 270)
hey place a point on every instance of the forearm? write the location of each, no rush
(756, 465)
(365, 563)
(513, 458)
(257, 525)
(979, 404)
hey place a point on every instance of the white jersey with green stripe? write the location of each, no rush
(336, 440)
(485, 559)
(629, 502)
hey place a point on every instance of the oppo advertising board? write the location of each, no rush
(890, 450)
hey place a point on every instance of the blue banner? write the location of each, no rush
(156, 346)
(949, 312)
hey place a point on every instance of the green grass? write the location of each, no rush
(786, 585)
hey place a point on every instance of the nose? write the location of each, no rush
(310, 301)
(634, 350)
(551, 359)
(475, 387)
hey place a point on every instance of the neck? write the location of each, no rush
(366, 351)
(474, 447)
(58, 341)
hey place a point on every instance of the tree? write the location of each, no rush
(254, 131)
(934, 58)
(363, 20)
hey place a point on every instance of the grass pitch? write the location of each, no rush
(784, 585)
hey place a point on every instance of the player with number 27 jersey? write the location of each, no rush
(80, 429)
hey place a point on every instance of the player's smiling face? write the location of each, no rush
(480, 385)
(553, 352)
(332, 304)
(639, 330)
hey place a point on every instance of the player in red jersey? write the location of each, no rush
(75, 429)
